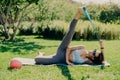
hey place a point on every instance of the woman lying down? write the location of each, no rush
(73, 55)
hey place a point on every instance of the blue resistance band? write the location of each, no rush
(90, 20)
(88, 16)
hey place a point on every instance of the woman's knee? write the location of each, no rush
(44, 60)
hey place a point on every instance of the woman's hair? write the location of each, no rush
(98, 59)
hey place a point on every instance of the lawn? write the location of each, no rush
(28, 46)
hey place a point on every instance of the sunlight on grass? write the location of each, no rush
(112, 49)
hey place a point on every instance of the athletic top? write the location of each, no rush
(77, 58)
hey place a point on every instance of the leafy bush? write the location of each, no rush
(26, 30)
(89, 34)
(64, 10)
(52, 10)
(110, 15)
(77, 35)
(51, 31)
(104, 31)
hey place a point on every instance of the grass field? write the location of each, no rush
(28, 46)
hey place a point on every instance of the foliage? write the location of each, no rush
(26, 30)
(83, 30)
(12, 12)
(55, 10)
(110, 15)
(48, 11)
(52, 31)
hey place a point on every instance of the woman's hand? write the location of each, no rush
(69, 63)
(101, 43)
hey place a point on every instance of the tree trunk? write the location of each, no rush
(16, 28)
(20, 20)
(6, 34)
(4, 18)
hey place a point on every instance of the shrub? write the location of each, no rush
(26, 30)
(90, 33)
(77, 35)
(110, 34)
(52, 32)
(55, 30)
(58, 29)
(64, 10)
(110, 15)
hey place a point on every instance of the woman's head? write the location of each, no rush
(96, 57)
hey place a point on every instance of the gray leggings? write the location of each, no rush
(60, 56)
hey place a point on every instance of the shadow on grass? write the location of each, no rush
(19, 46)
(10, 69)
(102, 67)
(65, 72)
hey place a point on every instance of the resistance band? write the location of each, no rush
(90, 20)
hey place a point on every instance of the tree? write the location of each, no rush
(11, 15)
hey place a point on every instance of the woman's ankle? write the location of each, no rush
(79, 12)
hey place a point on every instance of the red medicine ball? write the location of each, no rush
(15, 64)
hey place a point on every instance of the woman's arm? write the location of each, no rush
(102, 49)
(88, 62)
(68, 52)
(101, 46)
(77, 47)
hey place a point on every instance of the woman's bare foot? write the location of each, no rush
(79, 12)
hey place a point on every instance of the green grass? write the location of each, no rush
(28, 46)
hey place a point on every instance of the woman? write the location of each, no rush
(79, 55)
(71, 55)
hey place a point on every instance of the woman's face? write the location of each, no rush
(93, 54)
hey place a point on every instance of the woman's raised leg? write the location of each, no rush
(60, 56)
(68, 37)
